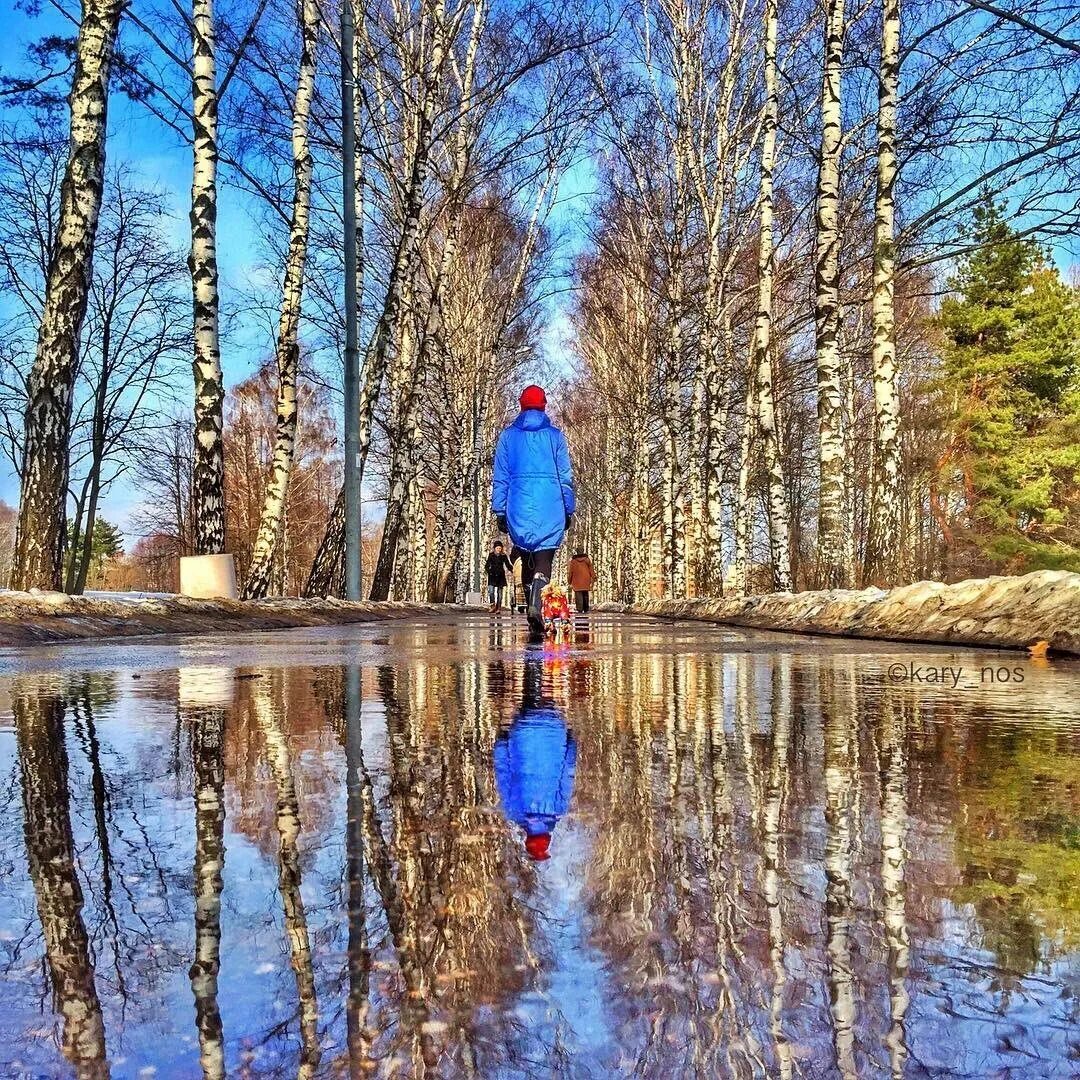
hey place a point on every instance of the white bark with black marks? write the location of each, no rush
(833, 568)
(40, 536)
(743, 513)
(208, 478)
(288, 343)
(208, 770)
(885, 561)
(51, 858)
(779, 529)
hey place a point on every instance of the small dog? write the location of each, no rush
(555, 611)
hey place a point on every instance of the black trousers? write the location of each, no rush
(533, 563)
(581, 600)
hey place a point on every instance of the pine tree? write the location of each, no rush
(1011, 388)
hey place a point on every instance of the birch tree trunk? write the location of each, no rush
(50, 849)
(772, 849)
(328, 568)
(833, 571)
(839, 902)
(406, 395)
(208, 474)
(38, 560)
(716, 392)
(718, 379)
(884, 557)
(404, 418)
(893, 863)
(743, 509)
(268, 717)
(208, 766)
(779, 545)
(288, 345)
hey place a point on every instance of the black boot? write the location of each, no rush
(536, 621)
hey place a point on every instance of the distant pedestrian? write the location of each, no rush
(496, 567)
(582, 579)
(532, 495)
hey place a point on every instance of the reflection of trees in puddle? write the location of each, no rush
(892, 767)
(840, 790)
(772, 857)
(767, 845)
(208, 769)
(737, 933)
(448, 876)
(268, 701)
(1018, 840)
(43, 760)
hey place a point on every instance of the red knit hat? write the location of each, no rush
(533, 397)
(537, 846)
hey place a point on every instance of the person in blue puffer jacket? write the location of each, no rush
(532, 494)
(535, 761)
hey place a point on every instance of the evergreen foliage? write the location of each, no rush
(1011, 390)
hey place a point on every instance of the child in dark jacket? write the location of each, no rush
(496, 567)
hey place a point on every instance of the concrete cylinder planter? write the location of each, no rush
(204, 577)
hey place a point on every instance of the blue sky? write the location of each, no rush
(161, 160)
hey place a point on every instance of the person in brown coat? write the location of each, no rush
(582, 579)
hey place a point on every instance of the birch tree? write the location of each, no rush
(208, 491)
(208, 769)
(402, 387)
(380, 43)
(762, 351)
(288, 337)
(39, 542)
(885, 562)
(834, 571)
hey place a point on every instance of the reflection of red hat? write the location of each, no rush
(537, 846)
(533, 397)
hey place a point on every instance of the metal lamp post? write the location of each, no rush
(353, 521)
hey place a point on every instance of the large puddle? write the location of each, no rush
(664, 851)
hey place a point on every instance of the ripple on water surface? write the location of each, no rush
(423, 849)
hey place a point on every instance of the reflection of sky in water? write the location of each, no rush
(644, 942)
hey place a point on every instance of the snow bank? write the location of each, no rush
(35, 616)
(1001, 612)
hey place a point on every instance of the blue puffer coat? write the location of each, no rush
(532, 483)
(534, 769)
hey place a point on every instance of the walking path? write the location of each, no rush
(1040, 609)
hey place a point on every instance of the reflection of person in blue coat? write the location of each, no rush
(534, 765)
(532, 493)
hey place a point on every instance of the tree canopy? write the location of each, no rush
(1010, 386)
